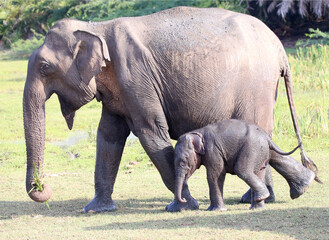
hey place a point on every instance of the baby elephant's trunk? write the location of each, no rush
(180, 178)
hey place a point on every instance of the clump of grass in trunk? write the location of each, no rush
(37, 183)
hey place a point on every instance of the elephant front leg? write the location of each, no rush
(111, 137)
(161, 153)
(216, 184)
(190, 204)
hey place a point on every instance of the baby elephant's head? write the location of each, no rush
(188, 151)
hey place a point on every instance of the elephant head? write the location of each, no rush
(188, 152)
(66, 64)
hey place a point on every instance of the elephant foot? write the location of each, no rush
(246, 198)
(271, 197)
(176, 206)
(257, 205)
(216, 208)
(260, 196)
(100, 205)
(298, 188)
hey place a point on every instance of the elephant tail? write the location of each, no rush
(276, 149)
(306, 161)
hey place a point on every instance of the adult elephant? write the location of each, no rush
(158, 76)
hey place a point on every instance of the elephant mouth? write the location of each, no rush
(67, 113)
(69, 118)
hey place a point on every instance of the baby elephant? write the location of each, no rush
(236, 147)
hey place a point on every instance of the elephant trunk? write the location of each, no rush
(34, 125)
(180, 178)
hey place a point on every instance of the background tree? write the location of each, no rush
(291, 17)
(304, 8)
(31, 19)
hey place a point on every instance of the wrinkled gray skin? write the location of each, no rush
(158, 76)
(236, 147)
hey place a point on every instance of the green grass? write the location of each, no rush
(309, 69)
(139, 192)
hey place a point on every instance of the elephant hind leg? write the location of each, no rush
(257, 200)
(298, 177)
(258, 187)
(264, 118)
(245, 168)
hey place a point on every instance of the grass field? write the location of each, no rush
(139, 192)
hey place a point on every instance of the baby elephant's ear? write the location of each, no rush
(197, 140)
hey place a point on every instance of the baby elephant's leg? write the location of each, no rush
(247, 163)
(216, 180)
(254, 203)
(298, 177)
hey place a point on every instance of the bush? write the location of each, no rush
(308, 67)
(100, 10)
(24, 48)
(314, 37)
(19, 17)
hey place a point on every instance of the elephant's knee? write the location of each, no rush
(240, 171)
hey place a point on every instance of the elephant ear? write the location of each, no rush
(197, 140)
(90, 54)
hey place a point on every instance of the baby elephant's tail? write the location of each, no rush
(278, 150)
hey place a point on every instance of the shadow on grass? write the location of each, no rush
(300, 223)
(9, 209)
(74, 207)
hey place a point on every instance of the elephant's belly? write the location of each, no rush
(180, 123)
(185, 118)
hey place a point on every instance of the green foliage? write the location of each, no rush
(37, 186)
(316, 36)
(315, 122)
(311, 83)
(24, 48)
(312, 113)
(20, 17)
(305, 8)
(23, 19)
(37, 182)
(308, 69)
(101, 10)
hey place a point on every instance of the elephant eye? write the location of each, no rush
(44, 69)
